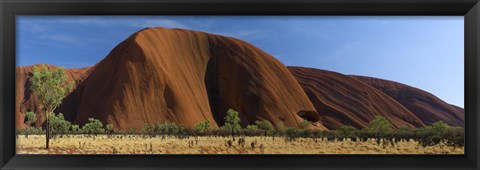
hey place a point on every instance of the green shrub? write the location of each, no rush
(58, 124)
(109, 128)
(293, 133)
(347, 132)
(317, 133)
(438, 128)
(202, 127)
(30, 131)
(252, 127)
(281, 128)
(306, 133)
(94, 126)
(305, 124)
(252, 130)
(31, 118)
(232, 122)
(148, 129)
(266, 126)
(76, 129)
(379, 126)
(169, 128)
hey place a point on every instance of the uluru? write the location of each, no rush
(183, 76)
(355, 100)
(427, 107)
(176, 75)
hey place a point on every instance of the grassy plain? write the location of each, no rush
(138, 144)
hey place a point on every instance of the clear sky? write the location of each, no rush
(424, 52)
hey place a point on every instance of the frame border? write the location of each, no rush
(470, 9)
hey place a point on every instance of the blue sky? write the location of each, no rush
(425, 52)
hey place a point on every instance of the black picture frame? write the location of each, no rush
(9, 9)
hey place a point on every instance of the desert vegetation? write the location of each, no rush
(262, 136)
(259, 138)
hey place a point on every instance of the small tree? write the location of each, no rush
(31, 118)
(202, 127)
(232, 122)
(50, 87)
(265, 125)
(379, 126)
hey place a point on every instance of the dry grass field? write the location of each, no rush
(136, 144)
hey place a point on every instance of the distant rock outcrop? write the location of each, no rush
(426, 106)
(344, 100)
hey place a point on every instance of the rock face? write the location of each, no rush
(344, 100)
(424, 105)
(181, 76)
(26, 100)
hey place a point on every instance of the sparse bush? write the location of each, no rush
(94, 126)
(438, 128)
(168, 128)
(222, 131)
(306, 133)
(76, 129)
(379, 126)
(305, 124)
(316, 133)
(58, 124)
(252, 127)
(252, 130)
(31, 118)
(293, 133)
(202, 127)
(109, 128)
(281, 128)
(266, 126)
(347, 132)
(148, 129)
(30, 131)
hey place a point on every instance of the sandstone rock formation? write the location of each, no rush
(25, 100)
(424, 105)
(181, 76)
(344, 100)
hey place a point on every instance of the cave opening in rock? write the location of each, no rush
(212, 86)
(309, 115)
